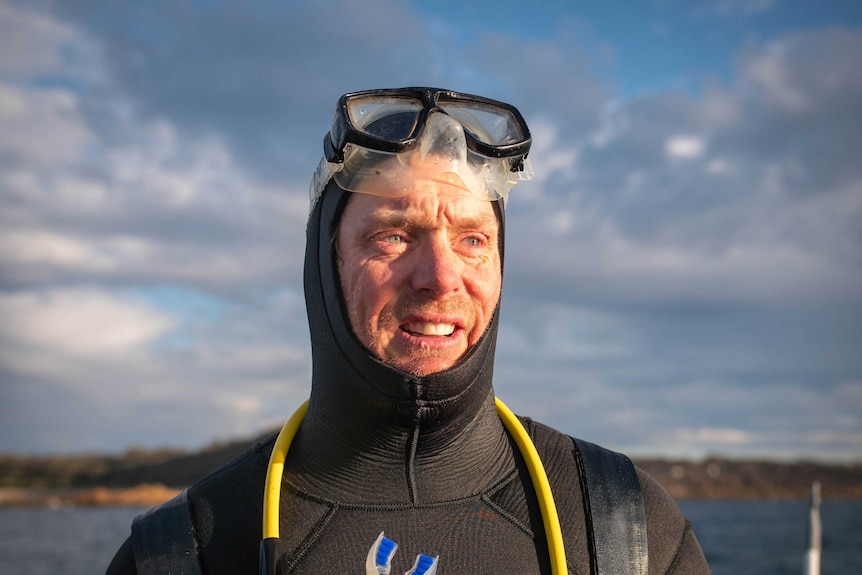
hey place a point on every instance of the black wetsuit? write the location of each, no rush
(424, 459)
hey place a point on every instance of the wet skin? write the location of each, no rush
(420, 274)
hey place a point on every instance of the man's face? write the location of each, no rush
(420, 274)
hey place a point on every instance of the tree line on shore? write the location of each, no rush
(711, 478)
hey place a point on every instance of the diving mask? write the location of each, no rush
(392, 142)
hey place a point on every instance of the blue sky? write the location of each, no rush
(683, 276)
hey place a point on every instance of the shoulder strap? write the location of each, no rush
(164, 540)
(613, 504)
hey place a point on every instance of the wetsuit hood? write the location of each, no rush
(360, 404)
(341, 362)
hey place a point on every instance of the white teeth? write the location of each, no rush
(426, 328)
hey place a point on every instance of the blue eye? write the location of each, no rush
(474, 241)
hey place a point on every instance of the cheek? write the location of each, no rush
(350, 290)
(491, 297)
(487, 286)
(364, 291)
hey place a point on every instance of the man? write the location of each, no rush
(402, 441)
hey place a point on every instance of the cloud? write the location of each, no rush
(738, 220)
(736, 265)
(733, 8)
(158, 207)
(712, 436)
(255, 75)
(79, 322)
(86, 369)
(28, 42)
(45, 126)
(95, 223)
(683, 272)
(685, 147)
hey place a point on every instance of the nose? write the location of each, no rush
(438, 268)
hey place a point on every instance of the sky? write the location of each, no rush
(683, 276)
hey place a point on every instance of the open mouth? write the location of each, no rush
(423, 328)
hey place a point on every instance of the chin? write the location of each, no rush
(425, 366)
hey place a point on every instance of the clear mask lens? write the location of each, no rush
(441, 156)
(489, 125)
(369, 114)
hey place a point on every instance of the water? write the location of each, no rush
(739, 538)
(770, 537)
(68, 541)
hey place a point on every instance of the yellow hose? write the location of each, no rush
(540, 483)
(272, 487)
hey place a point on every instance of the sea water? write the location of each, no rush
(738, 537)
(67, 540)
(771, 537)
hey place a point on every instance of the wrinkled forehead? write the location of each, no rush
(431, 204)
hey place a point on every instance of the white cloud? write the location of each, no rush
(612, 123)
(140, 205)
(35, 247)
(114, 361)
(551, 156)
(717, 166)
(29, 42)
(733, 8)
(720, 108)
(42, 126)
(711, 436)
(770, 70)
(79, 322)
(181, 210)
(739, 204)
(685, 147)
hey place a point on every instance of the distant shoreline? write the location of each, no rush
(151, 494)
(146, 477)
(146, 495)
